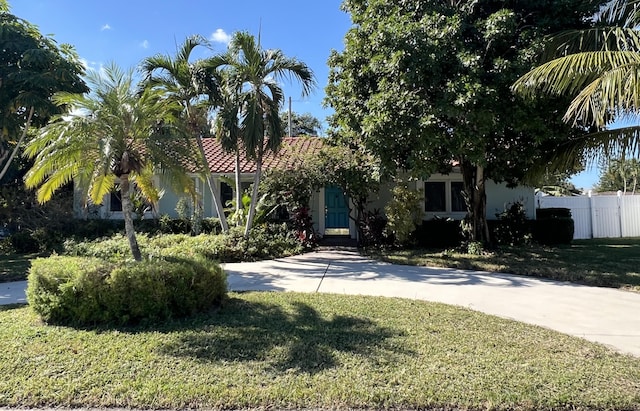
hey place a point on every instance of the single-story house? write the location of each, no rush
(329, 207)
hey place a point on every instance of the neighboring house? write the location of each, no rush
(329, 208)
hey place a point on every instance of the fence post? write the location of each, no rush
(592, 212)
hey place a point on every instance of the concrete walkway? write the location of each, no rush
(602, 315)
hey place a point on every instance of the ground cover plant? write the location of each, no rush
(289, 350)
(607, 262)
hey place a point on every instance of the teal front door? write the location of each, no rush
(336, 211)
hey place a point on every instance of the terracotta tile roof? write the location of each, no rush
(288, 156)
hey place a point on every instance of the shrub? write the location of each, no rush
(404, 213)
(23, 243)
(512, 227)
(438, 233)
(554, 212)
(553, 231)
(372, 229)
(89, 291)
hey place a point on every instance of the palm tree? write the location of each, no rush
(178, 79)
(227, 128)
(113, 134)
(601, 68)
(255, 73)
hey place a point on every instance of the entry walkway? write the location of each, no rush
(602, 315)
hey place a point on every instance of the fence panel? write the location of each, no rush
(630, 209)
(600, 216)
(606, 217)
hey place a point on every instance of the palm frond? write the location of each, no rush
(592, 39)
(570, 74)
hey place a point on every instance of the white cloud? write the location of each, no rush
(105, 27)
(145, 44)
(220, 36)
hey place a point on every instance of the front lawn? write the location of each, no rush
(289, 350)
(599, 262)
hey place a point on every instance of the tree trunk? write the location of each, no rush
(15, 149)
(212, 188)
(476, 201)
(128, 219)
(254, 194)
(239, 205)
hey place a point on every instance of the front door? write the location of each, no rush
(336, 211)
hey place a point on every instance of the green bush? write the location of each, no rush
(553, 226)
(553, 231)
(403, 212)
(512, 227)
(89, 291)
(438, 233)
(266, 241)
(554, 212)
(23, 242)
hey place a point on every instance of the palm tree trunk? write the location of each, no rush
(15, 149)
(212, 188)
(128, 219)
(254, 193)
(239, 205)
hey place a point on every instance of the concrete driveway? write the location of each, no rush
(602, 315)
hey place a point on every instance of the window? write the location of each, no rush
(115, 202)
(444, 197)
(227, 192)
(435, 196)
(457, 197)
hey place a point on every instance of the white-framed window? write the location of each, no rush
(443, 195)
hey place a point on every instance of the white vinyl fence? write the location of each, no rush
(601, 216)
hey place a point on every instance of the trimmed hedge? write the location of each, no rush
(553, 231)
(553, 226)
(265, 242)
(438, 233)
(84, 291)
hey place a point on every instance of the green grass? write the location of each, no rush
(14, 267)
(599, 262)
(288, 350)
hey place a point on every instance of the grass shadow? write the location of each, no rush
(8, 307)
(290, 337)
(15, 267)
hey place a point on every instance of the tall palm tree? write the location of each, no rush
(113, 134)
(177, 78)
(255, 73)
(601, 68)
(227, 129)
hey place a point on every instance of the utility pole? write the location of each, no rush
(289, 116)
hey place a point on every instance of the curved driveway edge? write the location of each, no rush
(602, 315)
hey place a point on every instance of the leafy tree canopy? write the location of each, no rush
(301, 124)
(621, 174)
(423, 83)
(33, 67)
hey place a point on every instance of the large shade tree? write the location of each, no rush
(112, 135)
(426, 85)
(182, 82)
(255, 72)
(599, 68)
(32, 68)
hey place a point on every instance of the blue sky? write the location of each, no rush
(125, 32)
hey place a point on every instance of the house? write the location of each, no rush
(329, 207)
